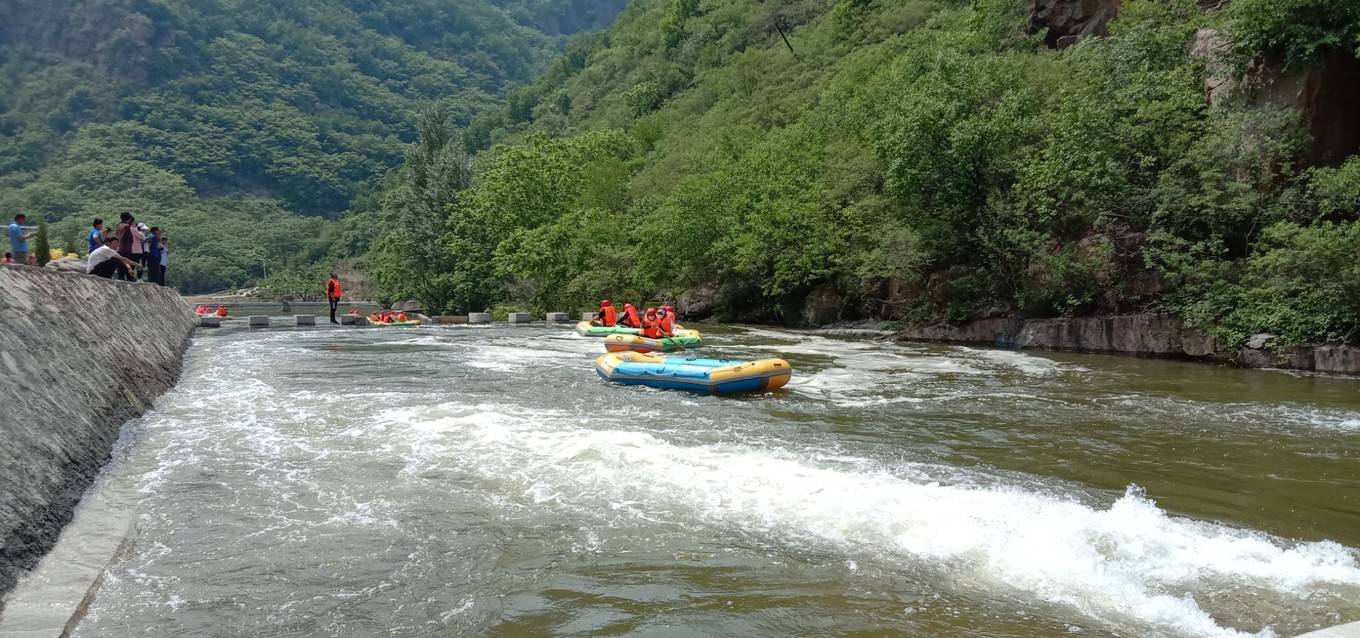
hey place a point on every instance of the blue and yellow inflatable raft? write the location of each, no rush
(710, 376)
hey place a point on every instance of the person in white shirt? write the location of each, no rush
(105, 260)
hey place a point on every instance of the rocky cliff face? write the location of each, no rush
(1140, 334)
(79, 356)
(1064, 22)
(110, 34)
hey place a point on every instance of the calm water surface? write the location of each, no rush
(484, 482)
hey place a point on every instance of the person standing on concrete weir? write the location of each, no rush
(140, 231)
(165, 259)
(18, 239)
(153, 255)
(124, 234)
(333, 292)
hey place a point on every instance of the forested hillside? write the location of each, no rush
(241, 126)
(806, 160)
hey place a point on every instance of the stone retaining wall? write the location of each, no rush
(1143, 335)
(79, 356)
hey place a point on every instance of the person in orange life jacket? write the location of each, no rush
(665, 319)
(333, 293)
(630, 317)
(651, 326)
(608, 316)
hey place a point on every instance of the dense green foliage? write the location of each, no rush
(932, 144)
(221, 120)
(1297, 32)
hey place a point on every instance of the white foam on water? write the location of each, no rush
(1284, 416)
(1019, 361)
(516, 358)
(1129, 560)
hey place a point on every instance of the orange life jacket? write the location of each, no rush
(668, 325)
(609, 315)
(334, 289)
(651, 326)
(401, 317)
(221, 311)
(630, 317)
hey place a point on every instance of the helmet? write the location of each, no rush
(605, 303)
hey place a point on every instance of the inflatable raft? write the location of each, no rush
(639, 343)
(587, 330)
(372, 320)
(711, 376)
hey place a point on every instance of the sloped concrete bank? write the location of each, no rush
(1142, 335)
(79, 356)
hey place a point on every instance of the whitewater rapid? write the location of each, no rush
(388, 456)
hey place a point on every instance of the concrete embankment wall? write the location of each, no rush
(1143, 335)
(79, 356)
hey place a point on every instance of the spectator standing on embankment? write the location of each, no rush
(96, 235)
(165, 258)
(153, 255)
(333, 292)
(18, 240)
(124, 235)
(105, 260)
(139, 231)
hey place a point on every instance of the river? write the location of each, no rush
(485, 482)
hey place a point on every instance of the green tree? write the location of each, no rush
(411, 260)
(42, 248)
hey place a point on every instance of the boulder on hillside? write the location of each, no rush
(1326, 95)
(1064, 22)
(822, 306)
(699, 302)
(1327, 99)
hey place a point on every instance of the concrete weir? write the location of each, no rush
(1351, 630)
(79, 357)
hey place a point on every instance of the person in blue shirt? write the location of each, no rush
(18, 239)
(96, 236)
